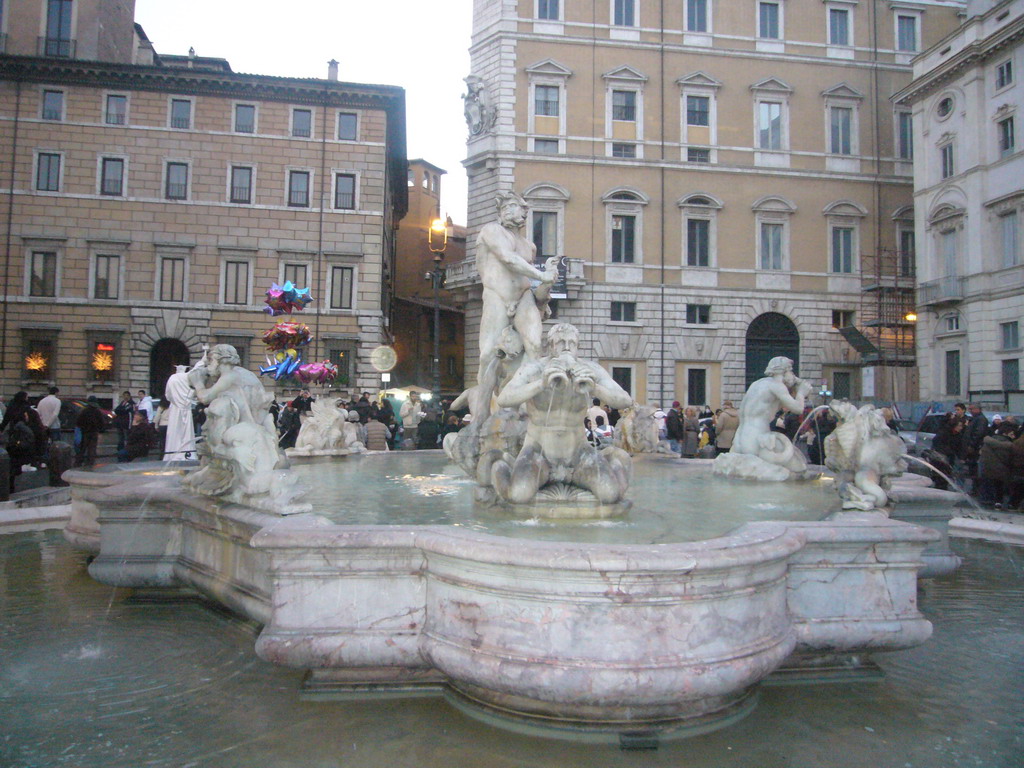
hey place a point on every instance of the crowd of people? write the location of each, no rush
(385, 425)
(987, 459)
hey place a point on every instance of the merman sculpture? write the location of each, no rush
(757, 452)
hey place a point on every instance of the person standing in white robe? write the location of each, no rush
(181, 436)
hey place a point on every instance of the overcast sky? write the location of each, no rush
(419, 45)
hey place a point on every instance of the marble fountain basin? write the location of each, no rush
(576, 635)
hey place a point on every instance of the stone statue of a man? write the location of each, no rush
(556, 390)
(504, 259)
(758, 452)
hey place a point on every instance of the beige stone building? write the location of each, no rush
(726, 181)
(149, 201)
(967, 98)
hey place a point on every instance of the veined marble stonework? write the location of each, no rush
(590, 636)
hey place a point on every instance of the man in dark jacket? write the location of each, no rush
(90, 422)
(674, 427)
(973, 436)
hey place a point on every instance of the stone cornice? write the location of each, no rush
(199, 82)
(965, 58)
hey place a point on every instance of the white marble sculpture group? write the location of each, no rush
(328, 430)
(526, 442)
(240, 460)
(864, 454)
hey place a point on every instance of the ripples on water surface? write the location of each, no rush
(92, 677)
(670, 502)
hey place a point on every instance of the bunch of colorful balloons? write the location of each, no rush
(286, 298)
(287, 338)
(317, 373)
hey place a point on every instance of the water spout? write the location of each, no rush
(947, 478)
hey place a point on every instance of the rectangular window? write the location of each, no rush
(236, 282)
(1004, 74)
(840, 127)
(42, 278)
(38, 356)
(947, 160)
(906, 135)
(624, 106)
(1006, 138)
(952, 323)
(58, 28)
(241, 184)
(172, 278)
(302, 123)
(345, 191)
(107, 278)
(623, 312)
(906, 35)
(768, 21)
(341, 287)
(769, 125)
(908, 253)
(1008, 227)
(949, 256)
(623, 239)
(103, 360)
(245, 118)
(698, 242)
(771, 246)
(842, 318)
(623, 376)
(546, 100)
(116, 111)
(698, 314)
(545, 146)
(622, 149)
(53, 105)
(48, 172)
(842, 384)
(697, 15)
(177, 181)
(348, 126)
(112, 176)
(545, 234)
(838, 26)
(953, 372)
(1011, 375)
(842, 250)
(696, 386)
(698, 110)
(298, 189)
(296, 273)
(1010, 335)
(698, 155)
(181, 113)
(624, 13)
(547, 10)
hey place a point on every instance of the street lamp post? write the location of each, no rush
(437, 240)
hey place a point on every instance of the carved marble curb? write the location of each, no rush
(589, 636)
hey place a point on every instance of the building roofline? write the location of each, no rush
(967, 56)
(428, 164)
(293, 90)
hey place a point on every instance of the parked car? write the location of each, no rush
(919, 436)
(69, 410)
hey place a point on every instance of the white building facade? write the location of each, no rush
(969, 208)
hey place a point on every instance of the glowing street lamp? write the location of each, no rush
(437, 240)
